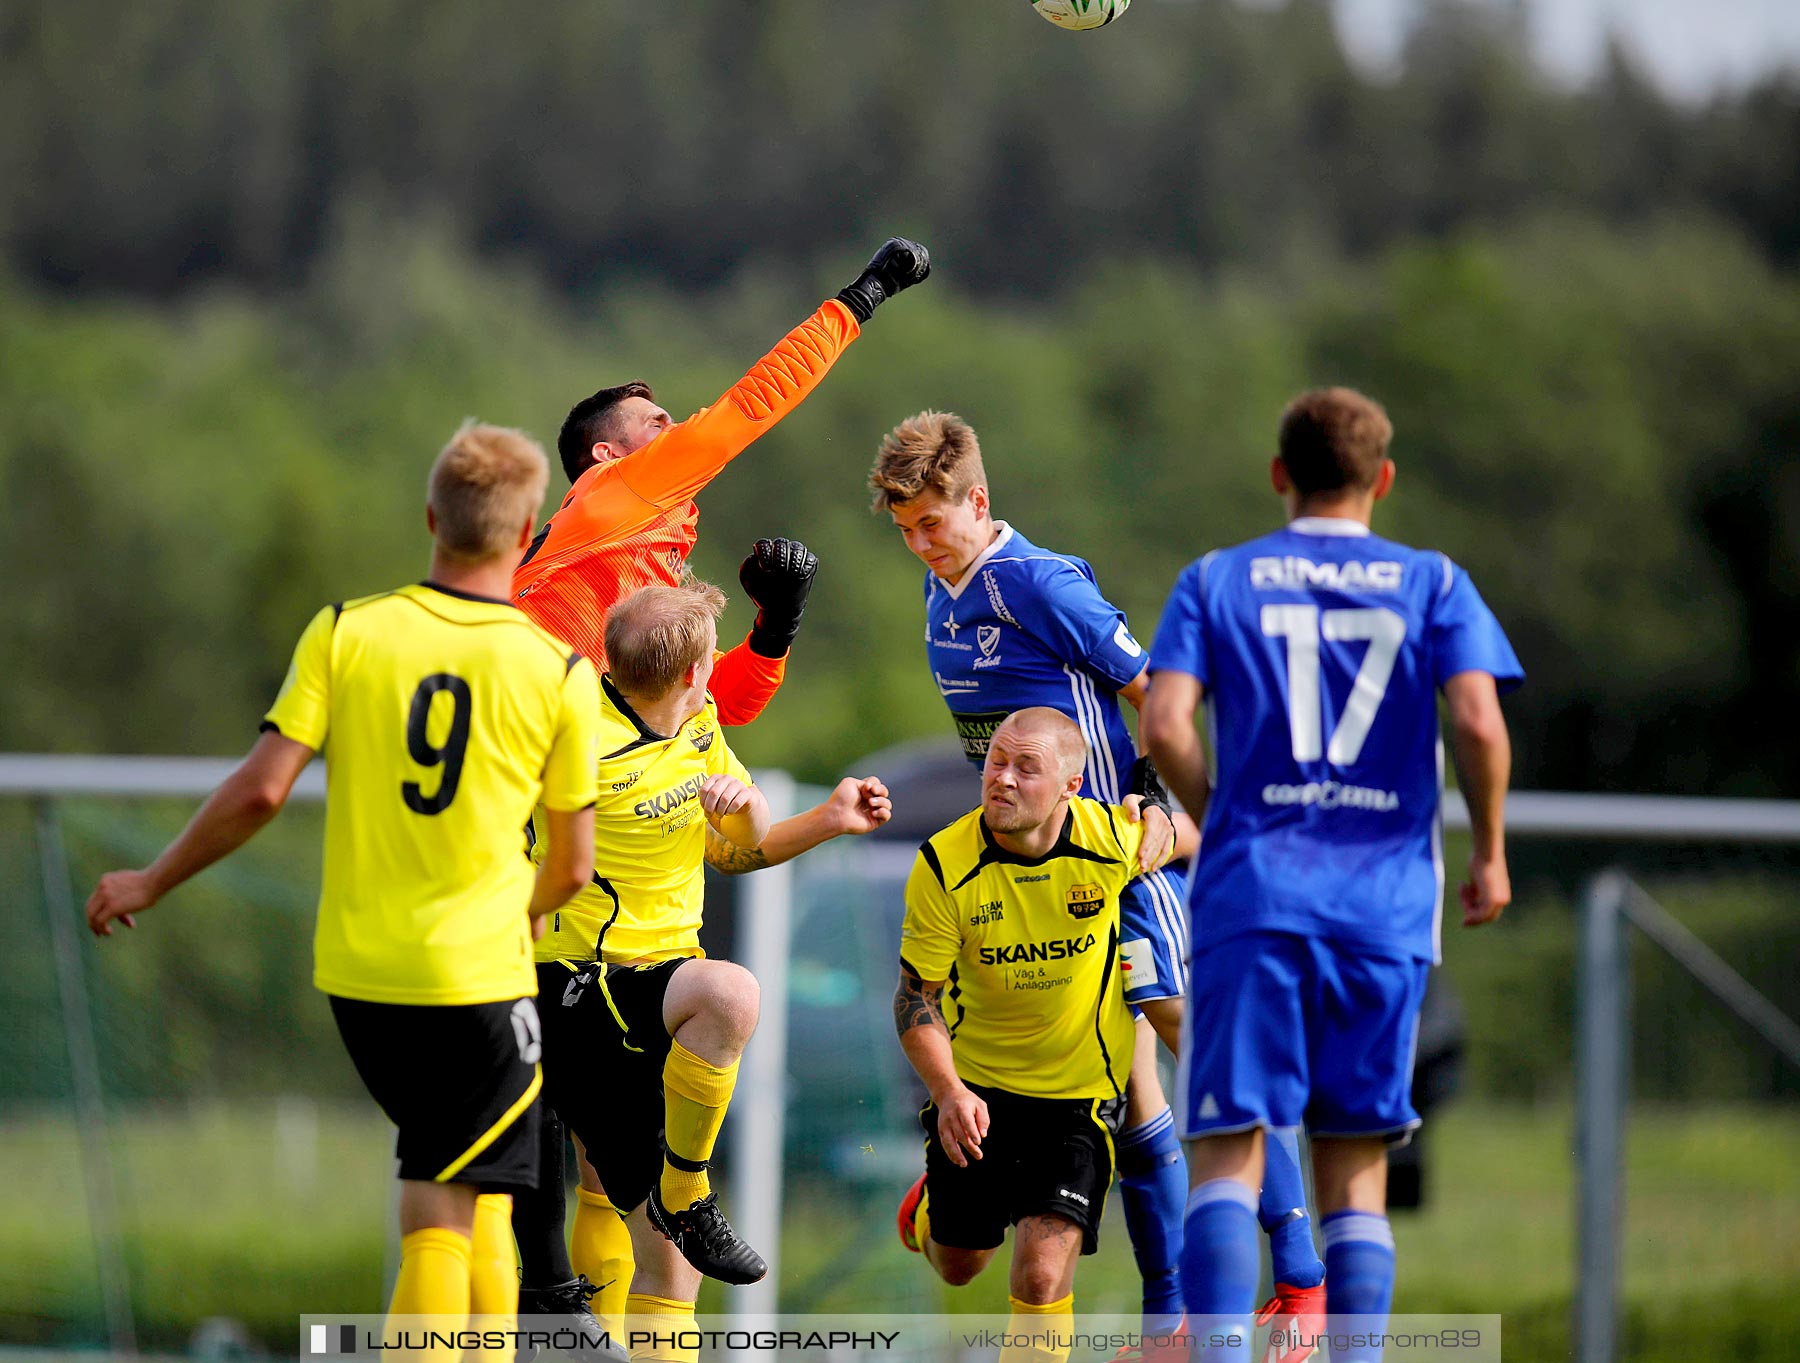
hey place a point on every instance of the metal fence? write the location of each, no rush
(826, 913)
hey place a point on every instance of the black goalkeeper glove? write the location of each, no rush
(778, 577)
(1144, 781)
(898, 265)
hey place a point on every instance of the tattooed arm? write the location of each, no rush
(962, 1117)
(858, 805)
(730, 859)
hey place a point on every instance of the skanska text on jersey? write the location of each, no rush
(1024, 953)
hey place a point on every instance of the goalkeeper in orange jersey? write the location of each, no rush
(630, 521)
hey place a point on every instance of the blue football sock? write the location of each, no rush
(1282, 1211)
(1220, 1263)
(1152, 1189)
(1359, 1273)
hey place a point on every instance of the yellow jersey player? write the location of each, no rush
(1015, 908)
(642, 1033)
(449, 715)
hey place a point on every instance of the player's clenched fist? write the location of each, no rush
(119, 896)
(1487, 891)
(721, 795)
(860, 804)
(899, 264)
(778, 577)
(962, 1125)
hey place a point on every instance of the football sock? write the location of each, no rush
(659, 1324)
(695, 1095)
(538, 1214)
(1221, 1262)
(433, 1281)
(601, 1248)
(1045, 1330)
(1359, 1273)
(1152, 1189)
(493, 1269)
(1282, 1211)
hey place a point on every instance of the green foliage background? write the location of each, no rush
(1592, 420)
(256, 261)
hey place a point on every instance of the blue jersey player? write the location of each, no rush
(1010, 626)
(1320, 651)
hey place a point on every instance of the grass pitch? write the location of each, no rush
(256, 1215)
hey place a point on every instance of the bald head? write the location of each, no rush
(656, 634)
(1051, 728)
(1033, 769)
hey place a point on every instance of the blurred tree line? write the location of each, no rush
(258, 261)
(147, 147)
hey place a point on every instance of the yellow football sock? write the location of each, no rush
(1049, 1327)
(695, 1095)
(493, 1269)
(433, 1283)
(664, 1322)
(600, 1248)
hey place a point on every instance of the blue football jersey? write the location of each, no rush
(1025, 627)
(1321, 649)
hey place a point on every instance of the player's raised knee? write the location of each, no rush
(732, 996)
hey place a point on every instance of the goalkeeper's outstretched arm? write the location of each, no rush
(625, 494)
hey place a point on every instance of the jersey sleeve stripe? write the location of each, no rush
(1112, 826)
(1093, 734)
(927, 851)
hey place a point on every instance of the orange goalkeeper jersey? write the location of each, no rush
(632, 521)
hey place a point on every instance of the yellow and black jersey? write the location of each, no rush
(648, 891)
(445, 718)
(1029, 948)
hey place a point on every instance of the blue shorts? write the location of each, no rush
(1153, 937)
(1284, 1030)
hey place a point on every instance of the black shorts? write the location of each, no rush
(459, 1081)
(1041, 1156)
(604, 1048)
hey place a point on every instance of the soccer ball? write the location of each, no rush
(1080, 14)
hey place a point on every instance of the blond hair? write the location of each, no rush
(657, 633)
(485, 487)
(931, 452)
